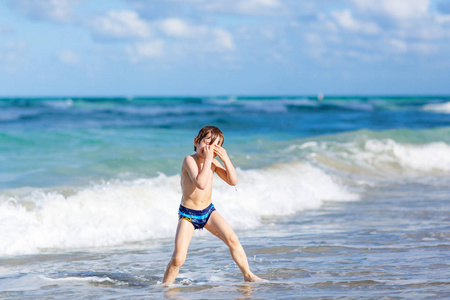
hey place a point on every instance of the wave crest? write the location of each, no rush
(381, 156)
(438, 107)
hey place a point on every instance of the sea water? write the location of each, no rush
(347, 197)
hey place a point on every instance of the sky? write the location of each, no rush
(224, 47)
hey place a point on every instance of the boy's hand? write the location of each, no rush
(208, 152)
(221, 152)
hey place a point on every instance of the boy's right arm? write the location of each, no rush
(200, 179)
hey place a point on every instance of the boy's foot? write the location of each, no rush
(254, 278)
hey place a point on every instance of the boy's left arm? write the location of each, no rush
(228, 174)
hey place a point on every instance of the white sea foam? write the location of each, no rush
(24, 283)
(277, 191)
(267, 105)
(119, 212)
(438, 107)
(59, 104)
(383, 155)
(422, 158)
(30, 282)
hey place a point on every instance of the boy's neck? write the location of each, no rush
(199, 159)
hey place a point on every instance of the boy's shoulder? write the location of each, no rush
(190, 157)
(189, 160)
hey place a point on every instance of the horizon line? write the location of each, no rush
(237, 96)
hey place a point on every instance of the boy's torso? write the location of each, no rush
(193, 197)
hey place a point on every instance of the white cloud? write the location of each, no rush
(359, 29)
(221, 39)
(398, 46)
(175, 27)
(169, 37)
(385, 30)
(128, 25)
(345, 20)
(396, 9)
(68, 57)
(143, 51)
(443, 19)
(61, 11)
(120, 24)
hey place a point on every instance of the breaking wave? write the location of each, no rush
(32, 221)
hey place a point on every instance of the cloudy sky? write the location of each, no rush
(224, 47)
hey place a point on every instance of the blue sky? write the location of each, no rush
(223, 47)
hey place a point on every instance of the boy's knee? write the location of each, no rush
(233, 240)
(178, 260)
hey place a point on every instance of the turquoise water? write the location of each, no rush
(52, 142)
(345, 197)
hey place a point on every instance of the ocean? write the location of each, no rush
(340, 198)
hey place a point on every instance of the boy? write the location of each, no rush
(196, 209)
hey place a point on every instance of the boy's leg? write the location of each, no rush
(219, 227)
(183, 237)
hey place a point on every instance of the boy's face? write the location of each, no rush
(205, 142)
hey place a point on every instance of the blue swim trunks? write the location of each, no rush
(198, 218)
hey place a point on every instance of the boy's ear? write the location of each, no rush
(195, 141)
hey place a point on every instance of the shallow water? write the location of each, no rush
(383, 246)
